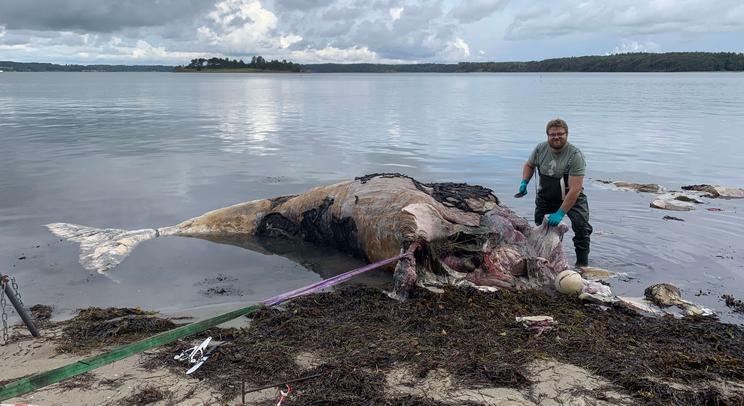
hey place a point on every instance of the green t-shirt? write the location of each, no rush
(556, 164)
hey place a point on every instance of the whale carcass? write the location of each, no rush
(455, 233)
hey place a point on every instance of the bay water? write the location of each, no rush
(145, 150)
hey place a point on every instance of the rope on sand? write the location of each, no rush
(42, 379)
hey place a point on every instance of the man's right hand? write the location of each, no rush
(523, 188)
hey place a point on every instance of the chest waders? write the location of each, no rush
(550, 194)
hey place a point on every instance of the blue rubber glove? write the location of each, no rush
(523, 187)
(555, 218)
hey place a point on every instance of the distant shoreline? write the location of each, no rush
(619, 63)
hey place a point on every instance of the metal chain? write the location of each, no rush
(3, 281)
(15, 289)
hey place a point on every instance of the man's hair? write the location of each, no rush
(556, 122)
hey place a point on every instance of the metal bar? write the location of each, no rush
(36, 381)
(21, 311)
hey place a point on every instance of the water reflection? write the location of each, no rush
(245, 116)
(247, 131)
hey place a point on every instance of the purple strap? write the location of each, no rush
(335, 280)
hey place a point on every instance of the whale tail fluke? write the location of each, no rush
(101, 249)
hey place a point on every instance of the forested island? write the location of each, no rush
(257, 64)
(630, 62)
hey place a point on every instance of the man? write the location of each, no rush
(561, 169)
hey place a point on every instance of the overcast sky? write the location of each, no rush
(172, 32)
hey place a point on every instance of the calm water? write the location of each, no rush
(143, 150)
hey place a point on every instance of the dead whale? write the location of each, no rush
(455, 233)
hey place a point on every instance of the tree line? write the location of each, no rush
(628, 62)
(257, 62)
(9, 66)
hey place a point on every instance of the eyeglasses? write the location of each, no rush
(556, 134)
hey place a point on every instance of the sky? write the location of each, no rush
(172, 32)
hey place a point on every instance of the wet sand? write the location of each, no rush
(128, 382)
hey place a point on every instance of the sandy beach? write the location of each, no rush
(128, 382)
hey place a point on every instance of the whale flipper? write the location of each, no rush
(101, 249)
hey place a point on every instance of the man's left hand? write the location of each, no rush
(555, 218)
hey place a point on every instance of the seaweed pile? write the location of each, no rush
(360, 334)
(95, 327)
(733, 303)
(41, 314)
(146, 396)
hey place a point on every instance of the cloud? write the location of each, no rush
(73, 31)
(287, 40)
(476, 10)
(301, 5)
(45, 39)
(332, 54)
(95, 15)
(456, 50)
(391, 30)
(328, 31)
(382, 30)
(537, 22)
(346, 13)
(240, 26)
(734, 17)
(635, 46)
(626, 18)
(395, 13)
(418, 33)
(94, 49)
(147, 52)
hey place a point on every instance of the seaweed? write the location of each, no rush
(41, 313)
(82, 381)
(94, 327)
(733, 303)
(360, 334)
(146, 395)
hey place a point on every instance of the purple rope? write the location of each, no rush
(335, 280)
